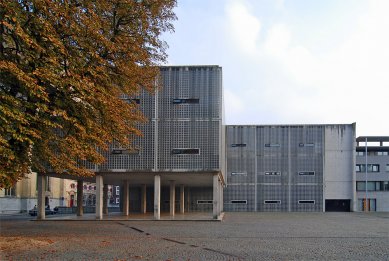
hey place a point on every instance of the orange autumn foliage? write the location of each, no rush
(63, 67)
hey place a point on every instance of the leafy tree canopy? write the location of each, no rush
(63, 67)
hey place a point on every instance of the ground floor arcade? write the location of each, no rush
(141, 193)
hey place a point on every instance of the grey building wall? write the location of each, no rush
(339, 160)
(378, 181)
(282, 168)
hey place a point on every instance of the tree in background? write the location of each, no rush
(63, 67)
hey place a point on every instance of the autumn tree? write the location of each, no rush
(63, 67)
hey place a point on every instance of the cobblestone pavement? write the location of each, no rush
(241, 236)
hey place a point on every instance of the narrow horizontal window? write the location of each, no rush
(204, 201)
(239, 173)
(185, 151)
(306, 202)
(124, 151)
(370, 168)
(273, 173)
(186, 101)
(272, 201)
(306, 173)
(239, 201)
(306, 145)
(236, 145)
(270, 145)
(132, 100)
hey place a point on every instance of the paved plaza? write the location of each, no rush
(240, 236)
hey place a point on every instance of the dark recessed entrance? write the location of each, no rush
(337, 205)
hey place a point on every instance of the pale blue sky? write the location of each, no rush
(292, 61)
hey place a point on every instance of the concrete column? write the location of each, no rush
(182, 199)
(187, 199)
(157, 197)
(220, 197)
(143, 203)
(99, 197)
(41, 214)
(215, 196)
(126, 198)
(105, 199)
(172, 197)
(80, 194)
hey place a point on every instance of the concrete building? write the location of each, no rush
(180, 158)
(290, 168)
(186, 156)
(373, 152)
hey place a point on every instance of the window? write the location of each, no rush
(204, 201)
(360, 153)
(117, 151)
(186, 151)
(269, 145)
(272, 201)
(272, 173)
(306, 173)
(239, 173)
(370, 168)
(307, 145)
(387, 167)
(186, 101)
(48, 185)
(382, 153)
(10, 192)
(239, 201)
(373, 185)
(238, 145)
(72, 186)
(306, 201)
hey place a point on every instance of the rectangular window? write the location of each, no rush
(186, 151)
(306, 173)
(130, 100)
(186, 101)
(119, 151)
(306, 144)
(270, 145)
(272, 173)
(239, 173)
(373, 185)
(272, 202)
(239, 201)
(48, 185)
(10, 192)
(204, 201)
(370, 168)
(237, 145)
(360, 153)
(387, 167)
(306, 202)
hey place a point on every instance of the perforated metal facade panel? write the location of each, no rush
(274, 168)
(186, 113)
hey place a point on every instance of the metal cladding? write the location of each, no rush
(184, 132)
(274, 168)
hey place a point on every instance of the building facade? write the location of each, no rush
(182, 147)
(23, 196)
(372, 182)
(290, 168)
(187, 157)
